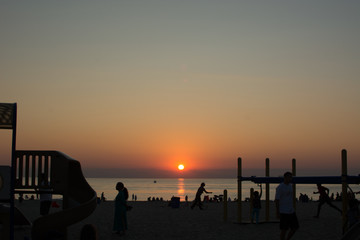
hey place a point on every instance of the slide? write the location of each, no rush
(66, 178)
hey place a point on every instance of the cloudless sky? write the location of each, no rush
(150, 84)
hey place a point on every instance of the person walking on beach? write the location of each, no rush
(198, 196)
(256, 205)
(324, 198)
(285, 209)
(120, 220)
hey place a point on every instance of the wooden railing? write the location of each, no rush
(31, 166)
(45, 169)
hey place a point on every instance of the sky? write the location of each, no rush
(134, 88)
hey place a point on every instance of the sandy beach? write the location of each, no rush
(156, 220)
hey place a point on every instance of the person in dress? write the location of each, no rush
(120, 219)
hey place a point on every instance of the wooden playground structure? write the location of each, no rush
(63, 176)
(344, 179)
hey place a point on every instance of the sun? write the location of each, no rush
(181, 167)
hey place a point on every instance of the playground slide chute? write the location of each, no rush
(63, 177)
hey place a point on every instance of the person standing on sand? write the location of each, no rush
(285, 209)
(324, 198)
(103, 199)
(45, 198)
(120, 220)
(256, 205)
(198, 196)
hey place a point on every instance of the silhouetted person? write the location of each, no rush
(45, 198)
(256, 205)
(88, 232)
(324, 198)
(21, 198)
(285, 209)
(198, 196)
(103, 199)
(120, 220)
(338, 198)
(332, 196)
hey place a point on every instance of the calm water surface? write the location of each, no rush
(180, 187)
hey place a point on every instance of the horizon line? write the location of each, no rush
(205, 173)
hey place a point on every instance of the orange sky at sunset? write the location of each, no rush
(134, 88)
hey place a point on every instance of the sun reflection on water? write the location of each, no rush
(181, 187)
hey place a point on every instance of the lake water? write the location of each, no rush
(180, 187)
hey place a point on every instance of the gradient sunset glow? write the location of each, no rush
(134, 88)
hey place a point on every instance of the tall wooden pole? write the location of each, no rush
(267, 186)
(251, 206)
(239, 190)
(13, 171)
(344, 187)
(225, 206)
(294, 185)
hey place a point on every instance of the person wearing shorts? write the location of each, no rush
(285, 209)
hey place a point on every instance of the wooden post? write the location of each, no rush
(225, 205)
(13, 172)
(294, 185)
(267, 203)
(344, 188)
(250, 203)
(239, 190)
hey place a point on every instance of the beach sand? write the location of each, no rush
(156, 220)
